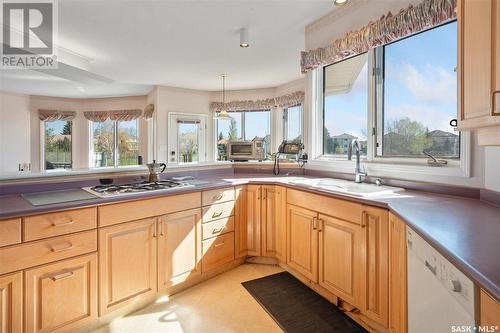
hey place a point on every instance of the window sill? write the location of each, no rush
(408, 171)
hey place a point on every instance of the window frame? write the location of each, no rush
(243, 129)
(377, 165)
(285, 122)
(115, 148)
(42, 148)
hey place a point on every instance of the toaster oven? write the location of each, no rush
(245, 150)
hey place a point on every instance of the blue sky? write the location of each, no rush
(420, 83)
(256, 124)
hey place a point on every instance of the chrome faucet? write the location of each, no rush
(359, 171)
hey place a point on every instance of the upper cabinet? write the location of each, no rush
(479, 69)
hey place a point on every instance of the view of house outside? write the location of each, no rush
(105, 148)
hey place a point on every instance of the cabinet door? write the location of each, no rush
(61, 296)
(127, 263)
(240, 226)
(397, 276)
(273, 222)
(253, 211)
(342, 259)
(302, 243)
(375, 220)
(489, 310)
(11, 303)
(475, 21)
(179, 247)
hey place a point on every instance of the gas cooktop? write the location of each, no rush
(106, 191)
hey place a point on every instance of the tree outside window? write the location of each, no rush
(58, 138)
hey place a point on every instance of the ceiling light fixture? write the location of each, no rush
(222, 114)
(244, 38)
(340, 2)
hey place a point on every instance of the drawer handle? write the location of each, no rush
(61, 276)
(55, 224)
(220, 244)
(214, 215)
(216, 231)
(60, 249)
(217, 197)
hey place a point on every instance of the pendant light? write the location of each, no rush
(223, 115)
(244, 43)
(340, 2)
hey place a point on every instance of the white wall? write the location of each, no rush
(14, 131)
(492, 168)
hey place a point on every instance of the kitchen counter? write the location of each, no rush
(464, 230)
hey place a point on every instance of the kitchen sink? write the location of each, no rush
(348, 187)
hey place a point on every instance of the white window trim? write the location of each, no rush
(404, 168)
(116, 157)
(172, 136)
(42, 146)
(284, 120)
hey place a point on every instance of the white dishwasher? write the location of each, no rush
(440, 297)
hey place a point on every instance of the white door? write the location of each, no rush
(187, 138)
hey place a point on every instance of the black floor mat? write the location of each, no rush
(296, 308)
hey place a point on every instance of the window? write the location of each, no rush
(57, 142)
(187, 138)
(418, 98)
(292, 124)
(245, 125)
(398, 100)
(345, 106)
(115, 143)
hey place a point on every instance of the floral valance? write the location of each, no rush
(284, 101)
(54, 115)
(387, 29)
(148, 111)
(120, 115)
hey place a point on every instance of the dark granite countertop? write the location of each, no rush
(466, 231)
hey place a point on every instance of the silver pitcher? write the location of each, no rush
(154, 170)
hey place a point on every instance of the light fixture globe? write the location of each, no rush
(340, 2)
(223, 114)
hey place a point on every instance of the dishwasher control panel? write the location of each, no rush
(454, 281)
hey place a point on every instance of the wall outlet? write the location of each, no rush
(25, 166)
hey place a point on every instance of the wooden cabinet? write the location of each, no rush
(11, 303)
(179, 247)
(398, 306)
(273, 222)
(375, 220)
(10, 232)
(240, 226)
(253, 219)
(218, 251)
(342, 258)
(302, 241)
(489, 310)
(127, 263)
(479, 73)
(61, 296)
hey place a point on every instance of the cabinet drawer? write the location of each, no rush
(17, 257)
(217, 196)
(141, 209)
(61, 296)
(217, 251)
(218, 227)
(59, 223)
(343, 209)
(218, 211)
(10, 232)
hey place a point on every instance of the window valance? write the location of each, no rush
(284, 101)
(387, 29)
(54, 115)
(148, 111)
(120, 115)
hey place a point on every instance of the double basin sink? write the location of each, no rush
(347, 187)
